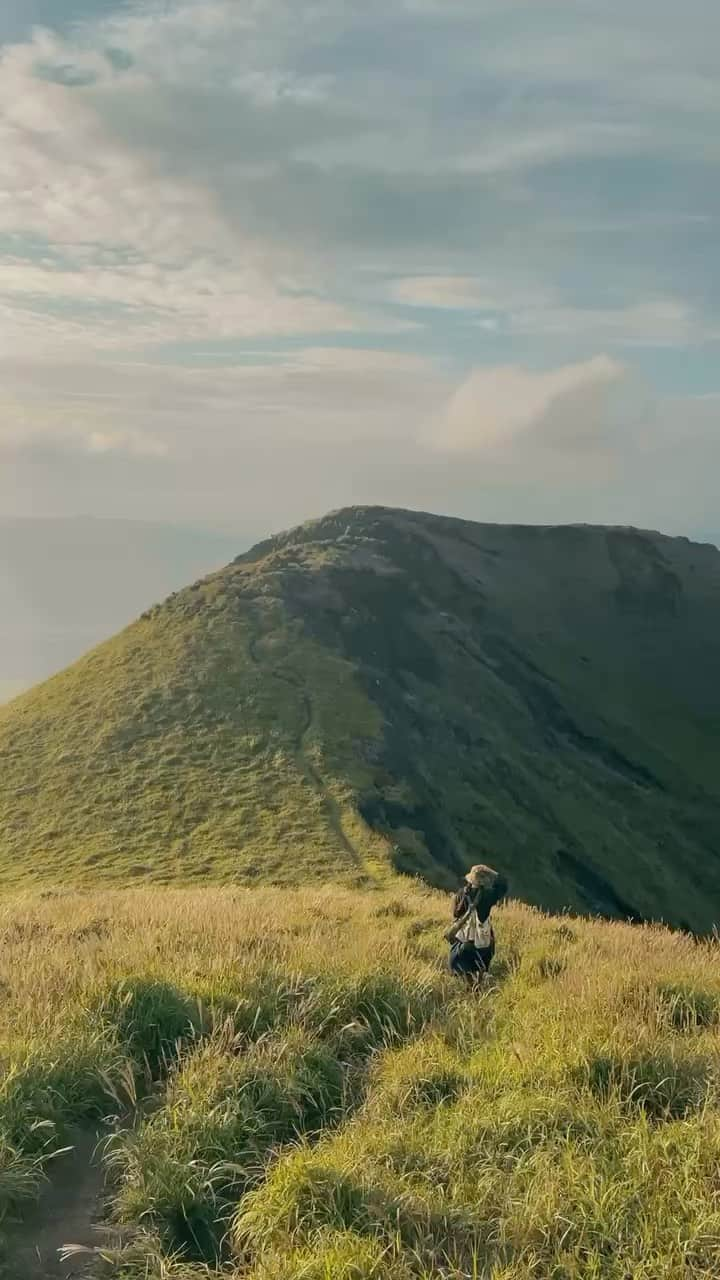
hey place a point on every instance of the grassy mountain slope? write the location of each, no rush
(383, 690)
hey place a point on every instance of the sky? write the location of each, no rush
(264, 258)
(67, 584)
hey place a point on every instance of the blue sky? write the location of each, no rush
(260, 259)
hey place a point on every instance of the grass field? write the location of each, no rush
(291, 1088)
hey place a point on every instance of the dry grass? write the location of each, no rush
(305, 1095)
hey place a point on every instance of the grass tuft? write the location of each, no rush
(688, 1008)
(664, 1087)
(153, 1020)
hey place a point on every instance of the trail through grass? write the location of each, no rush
(70, 1206)
(314, 1098)
(303, 754)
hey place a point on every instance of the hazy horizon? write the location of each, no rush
(67, 584)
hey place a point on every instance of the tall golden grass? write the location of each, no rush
(293, 1088)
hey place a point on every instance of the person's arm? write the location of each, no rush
(461, 903)
(462, 910)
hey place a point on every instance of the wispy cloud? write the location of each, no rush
(514, 311)
(454, 293)
(224, 224)
(56, 428)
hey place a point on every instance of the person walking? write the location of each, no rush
(471, 936)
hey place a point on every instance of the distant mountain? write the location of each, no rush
(65, 585)
(380, 691)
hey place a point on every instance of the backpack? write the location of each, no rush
(476, 932)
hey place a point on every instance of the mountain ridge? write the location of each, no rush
(381, 691)
(347, 514)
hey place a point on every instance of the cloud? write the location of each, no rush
(47, 426)
(154, 302)
(133, 443)
(658, 322)
(516, 310)
(34, 444)
(220, 151)
(135, 249)
(376, 248)
(284, 439)
(316, 394)
(499, 407)
(592, 441)
(463, 293)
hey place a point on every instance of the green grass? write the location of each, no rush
(294, 1089)
(169, 754)
(383, 691)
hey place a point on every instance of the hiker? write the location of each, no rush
(471, 938)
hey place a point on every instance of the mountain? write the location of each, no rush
(67, 584)
(383, 690)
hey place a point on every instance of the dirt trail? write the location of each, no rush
(67, 1213)
(312, 773)
(332, 808)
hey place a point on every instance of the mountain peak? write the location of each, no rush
(373, 520)
(383, 691)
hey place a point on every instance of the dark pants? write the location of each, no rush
(469, 962)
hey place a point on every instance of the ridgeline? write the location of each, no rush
(383, 691)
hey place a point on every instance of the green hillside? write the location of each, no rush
(380, 691)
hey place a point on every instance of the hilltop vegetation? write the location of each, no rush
(382, 691)
(293, 1089)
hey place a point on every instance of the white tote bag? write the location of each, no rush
(474, 931)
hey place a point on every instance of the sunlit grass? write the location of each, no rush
(294, 1089)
